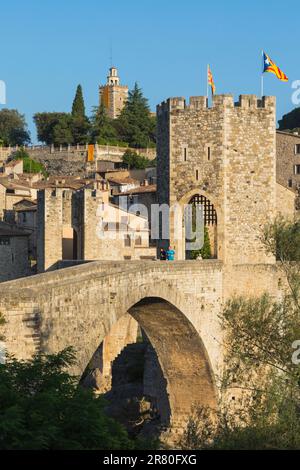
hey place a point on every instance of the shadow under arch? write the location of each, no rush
(182, 357)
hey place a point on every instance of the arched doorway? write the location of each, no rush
(210, 221)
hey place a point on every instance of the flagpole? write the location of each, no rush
(207, 81)
(262, 75)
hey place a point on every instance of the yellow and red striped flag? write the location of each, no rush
(270, 66)
(210, 80)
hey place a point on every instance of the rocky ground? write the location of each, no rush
(126, 401)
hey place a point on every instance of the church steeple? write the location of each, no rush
(113, 95)
(113, 78)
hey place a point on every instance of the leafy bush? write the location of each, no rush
(41, 407)
(29, 165)
(135, 161)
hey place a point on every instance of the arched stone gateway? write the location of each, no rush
(209, 221)
(213, 220)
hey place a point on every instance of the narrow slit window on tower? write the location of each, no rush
(185, 154)
(208, 153)
(197, 175)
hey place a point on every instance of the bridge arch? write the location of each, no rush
(188, 378)
(181, 354)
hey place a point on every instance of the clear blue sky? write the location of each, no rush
(48, 47)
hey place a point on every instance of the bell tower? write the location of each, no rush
(113, 78)
(113, 95)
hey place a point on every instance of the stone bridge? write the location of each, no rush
(177, 304)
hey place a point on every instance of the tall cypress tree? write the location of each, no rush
(78, 108)
(80, 123)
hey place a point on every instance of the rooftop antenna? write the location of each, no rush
(110, 53)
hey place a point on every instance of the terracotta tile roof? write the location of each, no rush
(62, 183)
(13, 163)
(64, 178)
(151, 188)
(25, 205)
(27, 176)
(289, 134)
(10, 184)
(121, 180)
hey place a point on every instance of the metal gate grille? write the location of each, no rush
(210, 214)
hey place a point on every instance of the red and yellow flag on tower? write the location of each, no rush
(210, 80)
(270, 66)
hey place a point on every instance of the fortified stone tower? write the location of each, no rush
(222, 157)
(55, 236)
(85, 220)
(113, 95)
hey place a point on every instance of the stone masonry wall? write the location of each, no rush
(286, 159)
(49, 228)
(14, 261)
(227, 154)
(285, 202)
(72, 160)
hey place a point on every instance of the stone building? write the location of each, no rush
(14, 259)
(11, 192)
(13, 167)
(113, 95)
(223, 158)
(25, 217)
(138, 200)
(83, 225)
(288, 159)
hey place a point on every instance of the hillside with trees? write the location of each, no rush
(290, 121)
(135, 127)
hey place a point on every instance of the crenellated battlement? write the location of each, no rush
(219, 101)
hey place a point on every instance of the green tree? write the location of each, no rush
(290, 120)
(135, 124)
(135, 161)
(63, 131)
(48, 123)
(78, 108)
(102, 129)
(205, 251)
(41, 407)
(13, 128)
(79, 123)
(259, 345)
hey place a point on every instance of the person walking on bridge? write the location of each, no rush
(170, 254)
